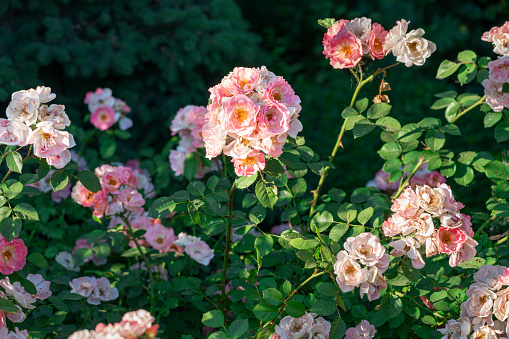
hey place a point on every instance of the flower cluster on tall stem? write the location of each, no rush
(107, 110)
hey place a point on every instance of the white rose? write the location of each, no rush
(13, 132)
(290, 327)
(366, 248)
(489, 275)
(413, 49)
(65, 259)
(55, 114)
(431, 199)
(349, 273)
(479, 305)
(24, 107)
(200, 252)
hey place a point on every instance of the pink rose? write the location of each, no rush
(83, 286)
(24, 107)
(495, 97)
(162, 238)
(504, 278)
(132, 199)
(280, 91)
(499, 36)
(200, 252)
(344, 49)
(249, 166)
(42, 286)
(366, 248)
(383, 183)
(241, 114)
(103, 117)
(111, 182)
(13, 132)
(101, 97)
(12, 255)
(15, 290)
(376, 41)
(362, 331)
(499, 69)
(449, 240)
(60, 160)
(49, 141)
(102, 292)
(241, 80)
(177, 160)
(274, 119)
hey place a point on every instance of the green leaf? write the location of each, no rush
(10, 228)
(37, 259)
(161, 208)
(7, 306)
(490, 119)
(14, 162)
(245, 182)
(442, 103)
(391, 305)
(347, 212)
(390, 150)
(324, 307)
(265, 194)
(337, 194)
(304, 244)
(238, 328)
(257, 214)
(467, 57)
(446, 68)
(338, 231)
(365, 215)
(362, 128)
(379, 110)
(321, 221)
(464, 175)
(107, 148)
(502, 131)
(362, 104)
(338, 329)
(409, 132)
(272, 296)
(212, 182)
(389, 124)
(496, 170)
(196, 188)
(467, 73)
(213, 319)
(327, 22)
(26, 212)
(295, 309)
(265, 312)
(451, 111)
(191, 164)
(264, 244)
(273, 168)
(81, 255)
(349, 112)
(392, 165)
(59, 180)
(89, 180)
(435, 140)
(451, 129)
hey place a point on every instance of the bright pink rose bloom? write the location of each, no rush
(504, 278)
(241, 114)
(132, 199)
(274, 119)
(217, 93)
(249, 166)
(343, 49)
(449, 239)
(280, 91)
(60, 160)
(13, 132)
(49, 141)
(499, 69)
(111, 182)
(101, 204)
(42, 286)
(495, 97)
(161, 238)
(83, 196)
(127, 177)
(102, 118)
(241, 80)
(376, 41)
(12, 255)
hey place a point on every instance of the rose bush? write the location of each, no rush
(121, 251)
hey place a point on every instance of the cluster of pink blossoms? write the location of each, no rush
(95, 290)
(498, 69)
(188, 123)
(422, 177)
(307, 326)
(133, 325)
(120, 186)
(251, 111)
(346, 42)
(30, 122)
(366, 249)
(487, 297)
(362, 331)
(107, 110)
(12, 255)
(413, 216)
(16, 293)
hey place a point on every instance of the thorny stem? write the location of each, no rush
(147, 263)
(227, 247)
(361, 83)
(404, 184)
(479, 102)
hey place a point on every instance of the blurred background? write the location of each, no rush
(160, 55)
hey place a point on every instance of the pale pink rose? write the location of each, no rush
(504, 277)
(489, 275)
(60, 160)
(499, 36)
(280, 91)
(366, 248)
(465, 253)
(413, 49)
(17, 334)
(102, 292)
(133, 324)
(186, 239)
(45, 94)
(449, 240)
(101, 204)
(397, 33)
(101, 97)
(407, 205)
(361, 28)
(479, 305)
(265, 78)
(484, 332)
(457, 328)
(161, 238)
(24, 106)
(124, 123)
(374, 284)
(362, 331)
(214, 139)
(450, 203)
(127, 177)
(421, 224)
(177, 160)
(132, 199)
(18, 292)
(186, 118)
(408, 246)
(495, 97)
(54, 114)
(102, 118)
(84, 197)
(274, 119)
(17, 317)
(200, 252)
(241, 114)
(394, 225)
(383, 183)
(249, 166)
(217, 94)
(83, 286)
(241, 80)
(344, 49)
(12, 255)
(376, 41)
(13, 132)
(65, 259)
(49, 141)
(431, 245)
(111, 182)
(113, 207)
(499, 69)
(290, 327)
(349, 273)
(501, 305)
(83, 334)
(454, 219)
(273, 146)
(431, 199)
(434, 178)
(240, 148)
(42, 286)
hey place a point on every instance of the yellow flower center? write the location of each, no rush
(350, 270)
(241, 114)
(243, 82)
(346, 51)
(250, 161)
(276, 96)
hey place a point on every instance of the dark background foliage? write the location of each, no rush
(161, 55)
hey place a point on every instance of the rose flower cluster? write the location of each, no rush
(188, 123)
(488, 296)
(498, 69)
(16, 293)
(31, 122)
(366, 249)
(422, 177)
(362, 331)
(106, 110)
(307, 326)
(346, 42)
(414, 212)
(95, 290)
(251, 111)
(136, 324)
